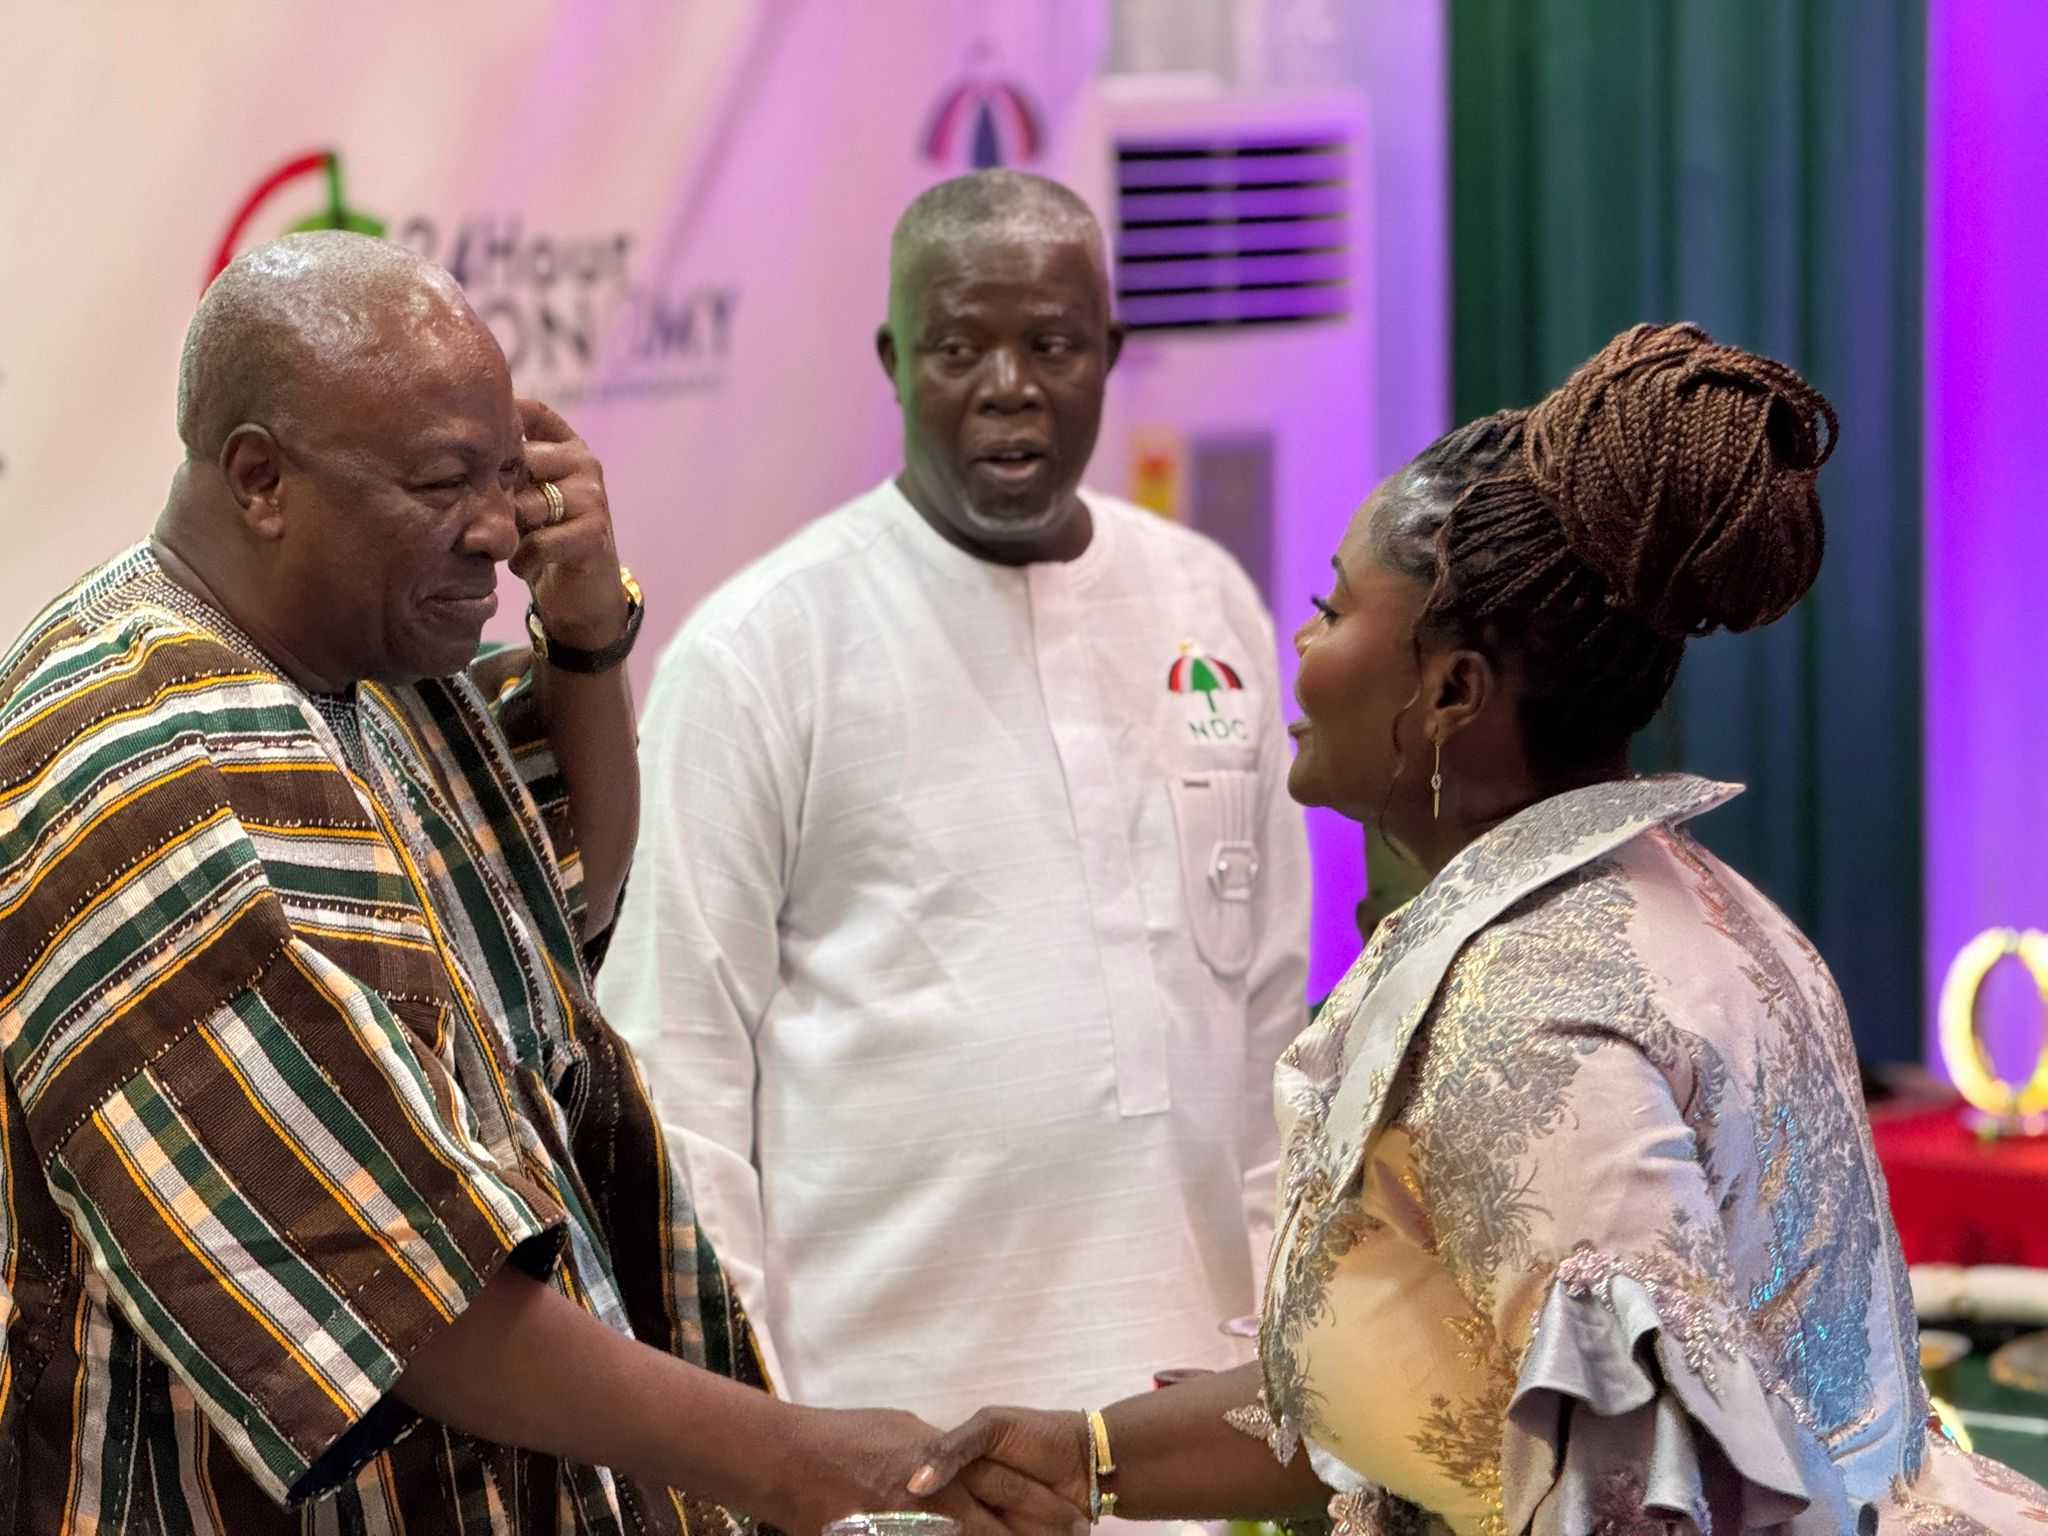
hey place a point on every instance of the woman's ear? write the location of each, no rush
(1459, 687)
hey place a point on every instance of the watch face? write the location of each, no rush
(536, 634)
(632, 587)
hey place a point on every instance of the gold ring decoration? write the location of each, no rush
(1962, 1048)
(558, 504)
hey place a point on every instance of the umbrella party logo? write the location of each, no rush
(993, 121)
(317, 172)
(1195, 672)
(577, 315)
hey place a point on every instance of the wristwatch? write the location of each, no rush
(571, 659)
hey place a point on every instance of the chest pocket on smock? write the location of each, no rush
(1219, 862)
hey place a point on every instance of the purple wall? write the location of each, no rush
(1987, 487)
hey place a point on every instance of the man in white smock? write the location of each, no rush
(969, 910)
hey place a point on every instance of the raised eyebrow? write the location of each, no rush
(1337, 565)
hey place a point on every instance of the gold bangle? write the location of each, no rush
(1101, 1464)
(1105, 1464)
(1094, 1492)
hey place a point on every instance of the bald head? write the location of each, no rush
(284, 322)
(998, 207)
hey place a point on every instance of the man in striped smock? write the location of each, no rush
(330, 1201)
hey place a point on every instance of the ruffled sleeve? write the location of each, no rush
(1620, 1423)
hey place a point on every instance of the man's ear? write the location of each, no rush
(253, 466)
(1116, 345)
(885, 349)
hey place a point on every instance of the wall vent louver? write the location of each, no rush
(1232, 229)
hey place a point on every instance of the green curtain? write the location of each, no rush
(1755, 166)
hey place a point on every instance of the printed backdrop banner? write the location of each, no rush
(674, 214)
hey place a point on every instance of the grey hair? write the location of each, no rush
(999, 205)
(293, 310)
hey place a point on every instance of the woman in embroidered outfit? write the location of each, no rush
(1583, 1231)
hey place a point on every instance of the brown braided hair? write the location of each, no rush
(1665, 490)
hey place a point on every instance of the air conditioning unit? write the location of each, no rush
(1241, 243)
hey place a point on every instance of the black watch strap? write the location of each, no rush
(574, 659)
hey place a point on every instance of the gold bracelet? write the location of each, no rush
(1105, 1464)
(1101, 1464)
(1094, 1490)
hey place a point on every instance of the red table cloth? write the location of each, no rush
(1958, 1199)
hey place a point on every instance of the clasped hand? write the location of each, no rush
(1026, 1467)
(878, 1460)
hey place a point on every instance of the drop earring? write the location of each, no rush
(1436, 786)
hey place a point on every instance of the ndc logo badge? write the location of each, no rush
(289, 183)
(1197, 674)
(576, 318)
(980, 124)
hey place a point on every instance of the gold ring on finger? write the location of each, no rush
(558, 504)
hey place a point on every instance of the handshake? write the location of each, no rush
(1017, 1470)
(1194, 1450)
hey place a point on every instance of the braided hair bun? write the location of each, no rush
(1683, 472)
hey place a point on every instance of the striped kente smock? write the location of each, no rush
(299, 1049)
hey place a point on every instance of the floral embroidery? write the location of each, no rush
(1325, 1230)
(1255, 1420)
(2014, 1485)
(1927, 1517)
(2029, 1497)
(1464, 1438)
(1619, 1510)
(1811, 1304)
(1511, 852)
(1372, 1511)
(1320, 1229)
(1497, 1063)
(1687, 1298)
